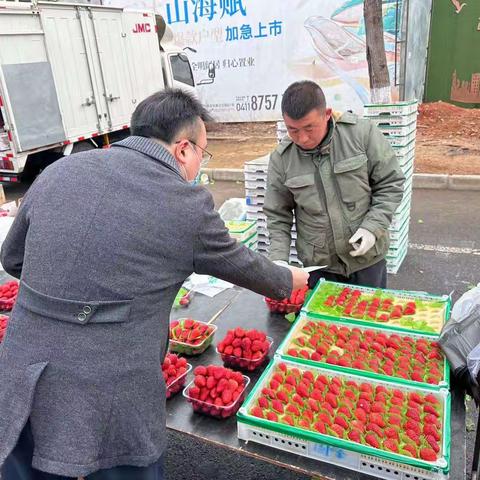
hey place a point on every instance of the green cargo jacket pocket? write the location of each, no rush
(313, 251)
(353, 183)
(305, 193)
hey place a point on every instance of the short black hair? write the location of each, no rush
(168, 113)
(300, 98)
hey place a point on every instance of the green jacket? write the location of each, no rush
(351, 180)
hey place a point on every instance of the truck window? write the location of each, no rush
(181, 69)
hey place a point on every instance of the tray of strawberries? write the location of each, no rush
(216, 391)
(293, 304)
(244, 349)
(190, 337)
(376, 352)
(175, 370)
(360, 417)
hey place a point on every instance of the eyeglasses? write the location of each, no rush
(206, 156)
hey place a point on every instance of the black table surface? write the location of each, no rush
(249, 310)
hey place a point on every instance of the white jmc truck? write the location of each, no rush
(72, 74)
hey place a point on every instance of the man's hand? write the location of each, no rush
(299, 276)
(362, 241)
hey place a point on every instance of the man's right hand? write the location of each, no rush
(299, 277)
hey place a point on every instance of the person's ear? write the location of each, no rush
(181, 151)
(328, 113)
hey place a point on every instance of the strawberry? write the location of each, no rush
(339, 420)
(428, 454)
(308, 414)
(390, 432)
(302, 390)
(364, 404)
(378, 419)
(372, 440)
(378, 407)
(313, 404)
(282, 396)
(347, 412)
(337, 430)
(320, 427)
(332, 400)
(412, 425)
(416, 398)
(413, 414)
(361, 414)
(290, 379)
(277, 405)
(263, 402)
(293, 352)
(298, 400)
(409, 450)
(272, 416)
(413, 436)
(429, 409)
(433, 443)
(304, 424)
(257, 412)
(391, 444)
(430, 398)
(288, 420)
(293, 410)
(430, 430)
(373, 427)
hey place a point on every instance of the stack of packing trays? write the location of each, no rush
(244, 232)
(359, 457)
(398, 122)
(255, 187)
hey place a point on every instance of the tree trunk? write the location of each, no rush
(380, 91)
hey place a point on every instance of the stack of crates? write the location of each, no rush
(335, 382)
(255, 186)
(398, 122)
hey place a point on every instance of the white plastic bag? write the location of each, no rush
(465, 304)
(233, 209)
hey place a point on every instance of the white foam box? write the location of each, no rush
(390, 109)
(401, 141)
(399, 131)
(393, 121)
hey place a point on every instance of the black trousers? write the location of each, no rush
(18, 466)
(374, 276)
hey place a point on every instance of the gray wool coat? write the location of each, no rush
(102, 243)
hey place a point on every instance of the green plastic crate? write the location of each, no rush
(442, 303)
(304, 318)
(351, 455)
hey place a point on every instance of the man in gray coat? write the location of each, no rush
(101, 244)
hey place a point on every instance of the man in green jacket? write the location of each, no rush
(337, 177)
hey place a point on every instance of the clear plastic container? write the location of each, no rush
(215, 411)
(231, 361)
(176, 385)
(276, 306)
(188, 349)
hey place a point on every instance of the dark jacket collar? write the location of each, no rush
(149, 147)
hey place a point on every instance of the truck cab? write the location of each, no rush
(71, 76)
